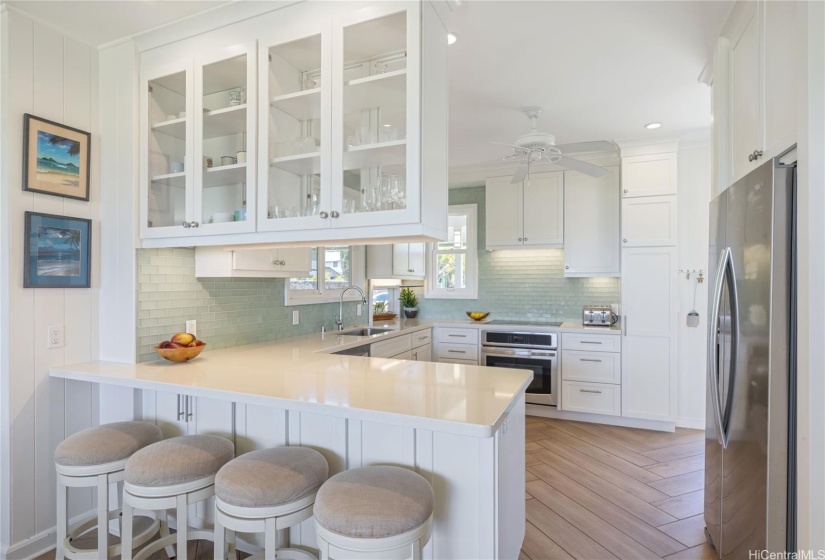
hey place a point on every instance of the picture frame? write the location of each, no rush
(57, 251)
(56, 158)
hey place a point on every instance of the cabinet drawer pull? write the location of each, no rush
(458, 335)
(590, 391)
(589, 342)
(457, 351)
(589, 360)
(180, 409)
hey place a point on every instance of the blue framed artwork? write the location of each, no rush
(56, 158)
(57, 251)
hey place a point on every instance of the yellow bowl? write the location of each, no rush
(179, 354)
(477, 315)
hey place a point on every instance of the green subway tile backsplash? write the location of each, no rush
(522, 284)
(229, 311)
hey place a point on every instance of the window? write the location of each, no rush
(453, 270)
(340, 267)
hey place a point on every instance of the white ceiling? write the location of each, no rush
(601, 71)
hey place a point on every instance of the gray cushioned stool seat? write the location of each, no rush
(106, 444)
(271, 477)
(374, 502)
(178, 460)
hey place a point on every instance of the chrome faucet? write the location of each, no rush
(340, 320)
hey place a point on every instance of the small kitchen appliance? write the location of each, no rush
(598, 316)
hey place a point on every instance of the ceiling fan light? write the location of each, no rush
(451, 38)
(653, 125)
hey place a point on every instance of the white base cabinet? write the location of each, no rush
(456, 345)
(479, 504)
(591, 373)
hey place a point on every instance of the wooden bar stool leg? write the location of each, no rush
(126, 535)
(103, 515)
(183, 526)
(62, 519)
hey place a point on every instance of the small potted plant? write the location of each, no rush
(409, 302)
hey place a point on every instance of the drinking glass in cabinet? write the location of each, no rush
(294, 128)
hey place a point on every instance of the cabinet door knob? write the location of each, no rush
(324, 215)
(186, 225)
(282, 263)
(624, 240)
(525, 239)
(625, 191)
(566, 268)
(275, 262)
(520, 239)
(195, 224)
(755, 155)
(334, 214)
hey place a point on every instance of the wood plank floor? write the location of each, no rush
(599, 492)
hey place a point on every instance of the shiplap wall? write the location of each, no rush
(54, 77)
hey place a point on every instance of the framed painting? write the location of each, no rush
(57, 251)
(56, 158)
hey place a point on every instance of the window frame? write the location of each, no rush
(323, 295)
(431, 289)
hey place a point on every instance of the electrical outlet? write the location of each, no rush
(358, 309)
(192, 327)
(296, 317)
(55, 337)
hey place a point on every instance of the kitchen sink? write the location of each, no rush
(365, 331)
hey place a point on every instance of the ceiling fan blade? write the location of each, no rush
(521, 173)
(514, 146)
(582, 167)
(582, 147)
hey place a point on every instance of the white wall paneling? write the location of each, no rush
(56, 78)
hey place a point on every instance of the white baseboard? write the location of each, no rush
(692, 423)
(40, 543)
(550, 412)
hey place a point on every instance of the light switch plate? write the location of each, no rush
(192, 327)
(296, 317)
(358, 309)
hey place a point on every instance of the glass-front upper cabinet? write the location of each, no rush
(197, 145)
(225, 133)
(166, 145)
(376, 110)
(295, 107)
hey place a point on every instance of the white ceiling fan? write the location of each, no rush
(536, 147)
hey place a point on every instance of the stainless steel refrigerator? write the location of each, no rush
(750, 439)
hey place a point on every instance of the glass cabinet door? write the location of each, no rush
(225, 150)
(295, 131)
(166, 152)
(376, 106)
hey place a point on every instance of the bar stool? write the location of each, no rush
(96, 457)
(267, 491)
(170, 474)
(374, 512)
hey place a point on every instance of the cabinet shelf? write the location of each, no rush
(386, 91)
(224, 175)
(224, 122)
(375, 155)
(171, 179)
(303, 105)
(300, 164)
(174, 127)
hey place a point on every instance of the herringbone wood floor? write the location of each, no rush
(599, 492)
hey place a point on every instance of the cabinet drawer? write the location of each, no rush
(391, 347)
(598, 367)
(591, 342)
(421, 338)
(460, 336)
(459, 351)
(597, 398)
(458, 361)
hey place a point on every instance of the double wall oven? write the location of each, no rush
(529, 350)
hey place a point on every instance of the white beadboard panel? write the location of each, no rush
(383, 444)
(259, 427)
(48, 73)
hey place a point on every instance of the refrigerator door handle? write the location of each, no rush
(730, 275)
(713, 346)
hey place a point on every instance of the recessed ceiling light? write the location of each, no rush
(653, 125)
(451, 38)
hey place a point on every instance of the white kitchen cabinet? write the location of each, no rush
(591, 224)
(529, 214)
(649, 221)
(403, 261)
(509, 482)
(649, 333)
(198, 109)
(422, 353)
(223, 262)
(179, 415)
(392, 347)
(649, 175)
(752, 73)
(456, 345)
(595, 398)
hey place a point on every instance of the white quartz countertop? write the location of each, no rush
(300, 373)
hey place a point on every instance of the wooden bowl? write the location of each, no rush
(384, 316)
(477, 315)
(179, 354)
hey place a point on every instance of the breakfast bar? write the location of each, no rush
(460, 426)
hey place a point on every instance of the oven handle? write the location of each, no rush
(549, 355)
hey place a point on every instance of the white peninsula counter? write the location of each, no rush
(461, 427)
